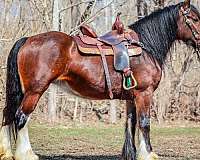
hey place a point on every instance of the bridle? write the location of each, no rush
(192, 27)
(190, 23)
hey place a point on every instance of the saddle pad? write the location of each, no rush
(91, 47)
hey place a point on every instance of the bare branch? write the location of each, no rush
(90, 19)
(7, 40)
(73, 5)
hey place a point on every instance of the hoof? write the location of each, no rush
(151, 156)
(30, 155)
(7, 156)
(154, 156)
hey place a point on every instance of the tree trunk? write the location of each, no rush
(159, 4)
(52, 103)
(55, 23)
(53, 88)
(75, 109)
(113, 111)
(142, 9)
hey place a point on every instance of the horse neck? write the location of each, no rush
(158, 31)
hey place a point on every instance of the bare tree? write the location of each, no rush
(142, 8)
(52, 107)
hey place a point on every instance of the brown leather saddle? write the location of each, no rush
(119, 43)
(112, 44)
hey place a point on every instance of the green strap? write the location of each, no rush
(128, 82)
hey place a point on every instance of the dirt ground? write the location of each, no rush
(104, 142)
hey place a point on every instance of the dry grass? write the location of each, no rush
(102, 142)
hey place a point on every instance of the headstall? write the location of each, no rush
(190, 23)
(192, 27)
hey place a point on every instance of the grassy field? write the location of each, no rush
(101, 142)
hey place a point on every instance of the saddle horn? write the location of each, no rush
(118, 25)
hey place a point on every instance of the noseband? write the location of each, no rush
(190, 23)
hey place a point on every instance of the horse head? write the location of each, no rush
(189, 24)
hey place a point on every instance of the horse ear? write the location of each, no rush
(186, 4)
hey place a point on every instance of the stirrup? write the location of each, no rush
(127, 81)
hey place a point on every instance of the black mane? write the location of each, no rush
(158, 31)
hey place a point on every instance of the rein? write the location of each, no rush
(192, 27)
(197, 51)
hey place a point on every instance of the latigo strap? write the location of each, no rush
(105, 66)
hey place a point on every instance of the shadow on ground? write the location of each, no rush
(105, 157)
(70, 157)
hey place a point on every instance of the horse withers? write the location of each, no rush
(36, 62)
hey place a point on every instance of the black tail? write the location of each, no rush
(14, 94)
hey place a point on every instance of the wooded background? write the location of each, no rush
(178, 95)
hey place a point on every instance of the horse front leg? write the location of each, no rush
(143, 102)
(129, 149)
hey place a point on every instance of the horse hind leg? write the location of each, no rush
(20, 119)
(5, 143)
(5, 136)
(23, 146)
(13, 99)
(129, 149)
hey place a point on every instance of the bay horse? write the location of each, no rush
(35, 62)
